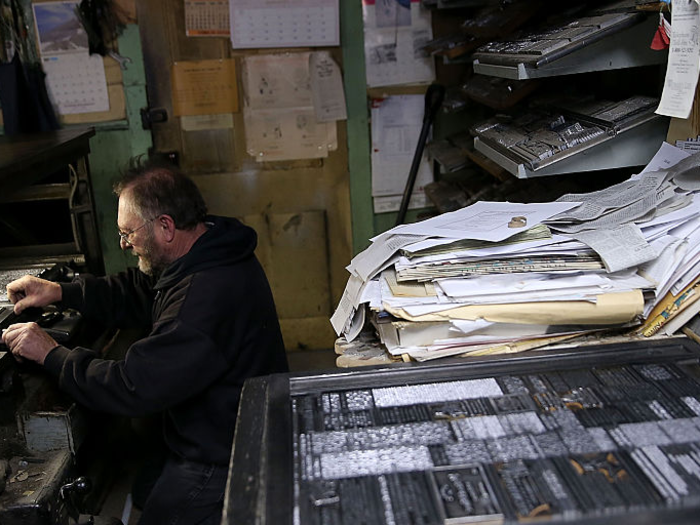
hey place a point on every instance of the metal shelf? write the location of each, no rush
(625, 49)
(632, 147)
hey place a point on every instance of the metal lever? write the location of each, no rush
(70, 494)
(433, 100)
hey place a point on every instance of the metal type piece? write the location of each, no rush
(436, 392)
(693, 404)
(616, 376)
(645, 434)
(373, 462)
(511, 448)
(680, 430)
(513, 385)
(602, 439)
(359, 400)
(466, 495)
(468, 452)
(536, 490)
(550, 444)
(608, 482)
(524, 423)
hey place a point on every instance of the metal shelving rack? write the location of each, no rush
(632, 147)
(616, 51)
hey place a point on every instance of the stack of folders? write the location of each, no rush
(504, 277)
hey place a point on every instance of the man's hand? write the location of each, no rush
(29, 341)
(31, 291)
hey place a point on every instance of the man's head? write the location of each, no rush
(161, 213)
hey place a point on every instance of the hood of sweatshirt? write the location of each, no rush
(226, 241)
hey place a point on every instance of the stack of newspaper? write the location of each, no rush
(502, 277)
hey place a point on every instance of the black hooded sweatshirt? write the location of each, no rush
(214, 325)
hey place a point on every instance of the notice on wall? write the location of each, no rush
(284, 23)
(683, 60)
(395, 33)
(279, 115)
(396, 127)
(204, 87)
(327, 87)
(207, 18)
(75, 80)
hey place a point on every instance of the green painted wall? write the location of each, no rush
(365, 223)
(114, 144)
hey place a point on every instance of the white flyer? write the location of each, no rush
(327, 87)
(395, 33)
(683, 60)
(396, 127)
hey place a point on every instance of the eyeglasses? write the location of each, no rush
(124, 236)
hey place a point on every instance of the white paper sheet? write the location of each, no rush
(327, 88)
(620, 248)
(278, 110)
(683, 60)
(396, 127)
(488, 221)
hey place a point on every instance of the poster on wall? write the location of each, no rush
(396, 127)
(75, 80)
(204, 87)
(279, 115)
(395, 33)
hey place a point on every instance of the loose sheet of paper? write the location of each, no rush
(620, 248)
(487, 221)
(279, 113)
(394, 37)
(76, 81)
(683, 60)
(207, 18)
(284, 23)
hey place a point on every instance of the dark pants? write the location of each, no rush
(186, 493)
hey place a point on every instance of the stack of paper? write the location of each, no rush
(503, 277)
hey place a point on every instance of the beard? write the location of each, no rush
(150, 260)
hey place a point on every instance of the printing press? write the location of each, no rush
(48, 229)
(595, 435)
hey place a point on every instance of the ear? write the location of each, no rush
(165, 227)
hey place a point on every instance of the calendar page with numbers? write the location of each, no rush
(75, 80)
(284, 23)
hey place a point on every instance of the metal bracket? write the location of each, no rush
(153, 116)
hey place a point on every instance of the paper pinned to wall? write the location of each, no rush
(395, 33)
(396, 127)
(76, 81)
(279, 116)
(204, 87)
(207, 18)
(327, 88)
(284, 23)
(288, 134)
(277, 81)
(683, 61)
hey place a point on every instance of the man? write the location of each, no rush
(201, 288)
